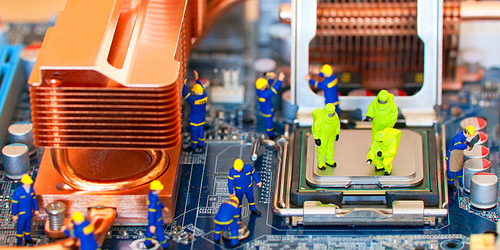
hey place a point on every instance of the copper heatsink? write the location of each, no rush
(114, 83)
(105, 99)
(379, 39)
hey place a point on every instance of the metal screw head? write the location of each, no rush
(55, 208)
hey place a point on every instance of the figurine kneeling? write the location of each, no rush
(383, 149)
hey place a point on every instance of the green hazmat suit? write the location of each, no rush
(383, 149)
(382, 112)
(325, 129)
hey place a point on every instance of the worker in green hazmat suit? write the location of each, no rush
(383, 149)
(325, 129)
(382, 112)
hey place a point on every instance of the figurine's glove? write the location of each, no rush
(379, 153)
(368, 119)
(318, 142)
(337, 137)
(369, 161)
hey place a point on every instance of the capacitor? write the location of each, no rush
(28, 57)
(479, 151)
(472, 167)
(22, 132)
(360, 92)
(483, 138)
(4, 31)
(16, 161)
(484, 190)
(477, 122)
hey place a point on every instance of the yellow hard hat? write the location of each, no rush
(470, 130)
(260, 83)
(156, 185)
(326, 70)
(78, 217)
(26, 179)
(330, 108)
(383, 95)
(235, 199)
(238, 165)
(197, 88)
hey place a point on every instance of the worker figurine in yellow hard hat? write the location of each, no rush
(198, 102)
(383, 149)
(240, 183)
(23, 204)
(382, 112)
(326, 131)
(328, 85)
(227, 220)
(155, 219)
(82, 230)
(265, 92)
(457, 145)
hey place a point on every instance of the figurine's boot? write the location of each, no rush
(379, 167)
(331, 163)
(321, 165)
(19, 240)
(388, 166)
(460, 175)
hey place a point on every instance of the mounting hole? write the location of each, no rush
(452, 244)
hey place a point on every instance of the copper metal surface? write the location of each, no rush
(78, 181)
(379, 39)
(113, 84)
(130, 204)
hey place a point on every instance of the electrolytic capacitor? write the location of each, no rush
(484, 190)
(16, 161)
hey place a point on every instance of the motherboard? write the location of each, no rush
(302, 207)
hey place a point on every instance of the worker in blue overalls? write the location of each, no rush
(155, 220)
(265, 92)
(455, 154)
(23, 203)
(328, 85)
(82, 230)
(240, 183)
(198, 101)
(227, 219)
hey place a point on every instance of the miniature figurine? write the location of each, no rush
(265, 91)
(382, 112)
(198, 102)
(328, 85)
(240, 183)
(227, 219)
(326, 130)
(83, 231)
(383, 149)
(455, 153)
(23, 203)
(155, 219)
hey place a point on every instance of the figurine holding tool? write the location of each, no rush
(83, 231)
(454, 154)
(328, 85)
(227, 220)
(382, 112)
(265, 92)
(240, 183)
(198, 102)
